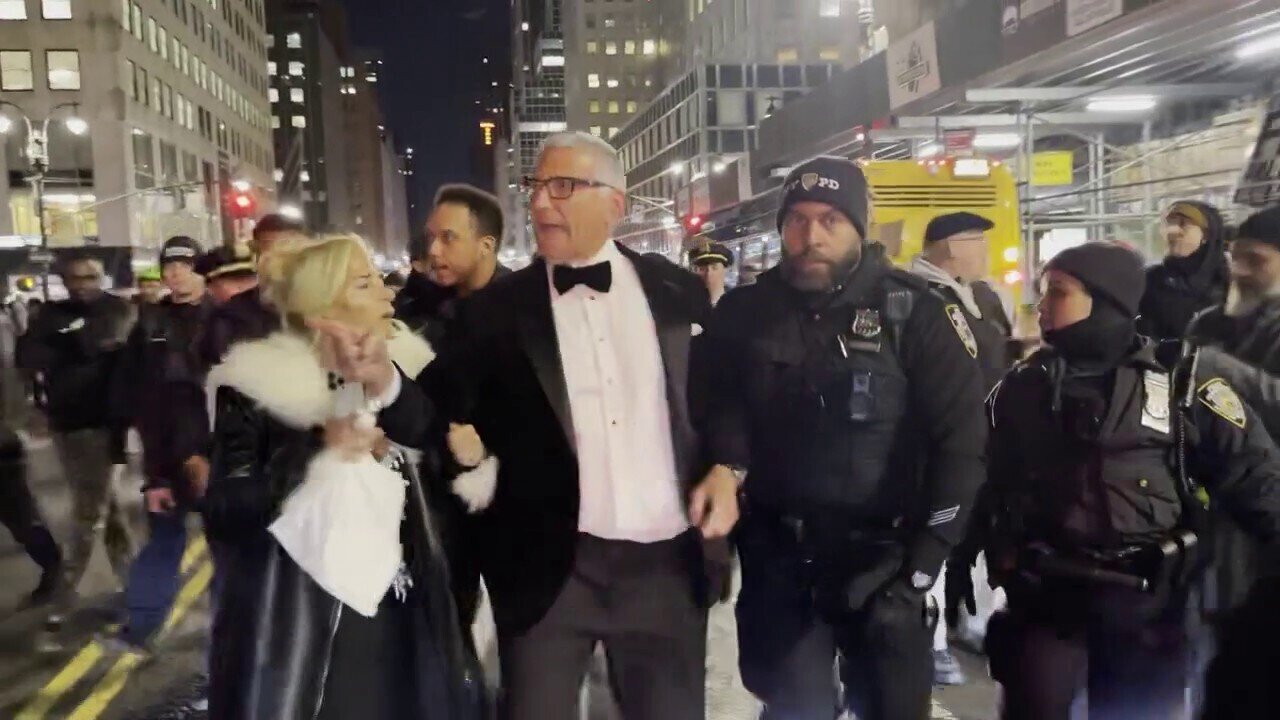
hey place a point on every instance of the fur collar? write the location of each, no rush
(282, 374)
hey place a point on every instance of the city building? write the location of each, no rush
(796, 32)
(537, 104)
(149, 118)
(380, 213)
(307, 44)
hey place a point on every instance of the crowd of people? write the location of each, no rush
(593, 441)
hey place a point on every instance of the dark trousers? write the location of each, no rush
(20, 514)
(1132, 651)
(637, 599)
(787, 649)
(154, 576)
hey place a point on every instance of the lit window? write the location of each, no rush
(137, 21)
(297, 95)
(271, 68)
(124, 12)
(64, 69)
(275, 122)
(612, 131)
(186, 61)
(829, 54)
(163, 39)
(304, 176)
(175, 52)
(613, 82)
(829, 8)
(293, 41)
(648, 82)
(15, 70)
(613, 107)
(629, 47)
(151, 35)
(56, 9)
(593, 106)
(611, 48)
(788, 55)
(592, 47)
(273, 95)
(298, 121)
(278, 175)
(595, 130)
(593, 80)
(13, 9)
(632, 106)
(609, 21)
(650, 47)
(271, 41)
(295, 67)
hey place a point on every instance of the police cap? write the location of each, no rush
(945, 226)
(226, 262)
(707, 253)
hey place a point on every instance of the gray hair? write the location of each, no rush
(608, 169)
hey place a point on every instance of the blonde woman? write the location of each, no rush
(285, 646)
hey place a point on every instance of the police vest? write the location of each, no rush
(828, 398)
(1093, 479)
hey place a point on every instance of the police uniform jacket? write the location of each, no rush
(991, 332)
(865, 402)
(1103, 475)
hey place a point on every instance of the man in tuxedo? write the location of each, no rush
(601, 521)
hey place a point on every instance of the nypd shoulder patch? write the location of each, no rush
(1218, 396)
(961, 325)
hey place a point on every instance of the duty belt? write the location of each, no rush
(1141, 567)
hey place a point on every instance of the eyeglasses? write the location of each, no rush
(559, 188)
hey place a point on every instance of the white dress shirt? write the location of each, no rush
(616, 385)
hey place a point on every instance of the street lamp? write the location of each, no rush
(38, 156)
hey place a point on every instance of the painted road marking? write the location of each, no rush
(74, 671)
(114, 681)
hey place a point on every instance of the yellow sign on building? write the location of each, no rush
(1052, 167)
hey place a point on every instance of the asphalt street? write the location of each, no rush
(86, 681)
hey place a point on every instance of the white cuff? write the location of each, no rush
(477, 486)
(393, 390)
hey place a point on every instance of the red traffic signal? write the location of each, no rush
(693, 223)
(241, 204)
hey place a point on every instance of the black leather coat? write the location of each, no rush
(275, 627)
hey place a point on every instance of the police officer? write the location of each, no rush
(711, 261)
(849, 405)
(1093, 539)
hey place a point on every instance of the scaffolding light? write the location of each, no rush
(997, 141)
(243, 186)
(677, 168)
(1010, 255)
(1257, 48)
(76, 125)
(1136, 103)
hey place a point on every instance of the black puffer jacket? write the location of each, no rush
(276, 629)
(1178, 288)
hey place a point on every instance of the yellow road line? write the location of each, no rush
(114, 681)
(84, 661)
(49, 695)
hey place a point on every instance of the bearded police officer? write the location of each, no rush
(849, 405)
(1093, 538)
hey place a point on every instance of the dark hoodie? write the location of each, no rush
(1178, 288)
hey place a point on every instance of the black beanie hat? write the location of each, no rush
(1262, 226)
(832, 180)
(180, 248)
(1108, 270)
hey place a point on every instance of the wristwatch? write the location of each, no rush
(921, 581)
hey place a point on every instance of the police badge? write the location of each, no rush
(866, 323)
(809, 180)
(1218, 396)
(961, 325)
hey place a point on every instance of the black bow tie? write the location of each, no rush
(598, 277)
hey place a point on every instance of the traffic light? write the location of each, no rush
(693, 223)
(241, 204)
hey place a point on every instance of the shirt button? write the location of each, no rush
(614, 423)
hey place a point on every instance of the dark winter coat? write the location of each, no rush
(275, 630)
(1178, 288)
(77, 346)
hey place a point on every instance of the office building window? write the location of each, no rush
(143, 160)
(273, 95)
(593, 80)
(829, 8)
(166, 101)
(613, 107)
(125, 14)
(297, 95)
(271, 68)
(13, 9)
(593, 106)
(293, 41)
(64, 69)
(55, 9)
(830, 54)
(163, 39)
(151, 34)
(649, 47)
(610, 48)
(15, 70)
(591, 25)
(595, 130)
(186, 60)
(298, 121)
(296, 68)
(137, 21)
(609, 22)
(155, 94)
(140, 80)
(275, 122)
(612, 82)
(629, 47)
(612, 131)
(788, 55)
(632, 106)
(175, 52)
(132, 89)
(592, 47)
(271, 41)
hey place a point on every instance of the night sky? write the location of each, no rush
(434, 73)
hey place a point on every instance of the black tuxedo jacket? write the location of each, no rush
(506, 378)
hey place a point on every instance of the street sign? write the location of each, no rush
(960, 141)
(1260, 185)
(1052, 167)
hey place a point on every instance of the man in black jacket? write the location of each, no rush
(161, 384)
(1192, 277)
(76, 344)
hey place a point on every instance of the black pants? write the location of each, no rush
(19, 513)
(787, 649)
(1131, 650)
(638, 600)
